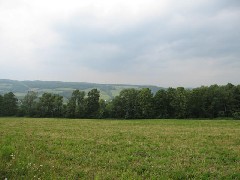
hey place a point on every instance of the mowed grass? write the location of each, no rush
(119, 149)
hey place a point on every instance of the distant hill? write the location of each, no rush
(108, 91)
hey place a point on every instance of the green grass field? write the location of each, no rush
(119, 149)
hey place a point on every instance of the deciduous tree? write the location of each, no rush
(92, 103)
(29, 103)
(10, 106)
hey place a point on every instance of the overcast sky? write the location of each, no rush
(155, 42)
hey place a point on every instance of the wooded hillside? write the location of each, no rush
(65, 89)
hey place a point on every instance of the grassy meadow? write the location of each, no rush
(119, 149)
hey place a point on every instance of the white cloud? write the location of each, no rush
(121, 41)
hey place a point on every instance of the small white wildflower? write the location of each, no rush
(12, 155)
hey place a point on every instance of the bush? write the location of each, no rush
(236, 115)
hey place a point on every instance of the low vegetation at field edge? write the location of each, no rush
(117, 149)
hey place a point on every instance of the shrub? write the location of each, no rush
(236, 115)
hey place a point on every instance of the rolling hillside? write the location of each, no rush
(108, 91)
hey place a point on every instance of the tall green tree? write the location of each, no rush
(92, 103)
(103, 109)
(161, 104)
(145, 102)
(45, 105)
(1, 105)
(130, 103)
(10, 106)
(57, 105)
(171, 102)
(227, 100)
(236, 99)
(214, 101)
(76, 105)
(50, 105)
(29, 104)
(115, 108)
(198, 102)
(180, 102)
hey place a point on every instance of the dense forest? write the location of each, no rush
(203, 102)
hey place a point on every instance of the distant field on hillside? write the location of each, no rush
(65, 89)
(119, 149)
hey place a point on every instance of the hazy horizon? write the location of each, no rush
(145, 42)
(127, 84)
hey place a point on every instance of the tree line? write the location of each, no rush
(203, 102)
